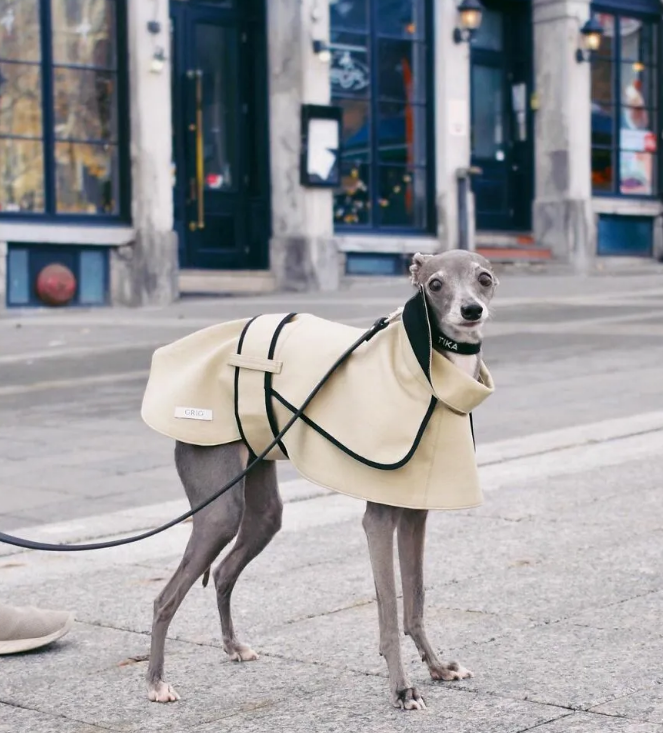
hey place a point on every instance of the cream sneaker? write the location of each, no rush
(26, 628)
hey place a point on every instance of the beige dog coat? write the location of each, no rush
(391, 425)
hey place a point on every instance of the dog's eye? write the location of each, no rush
(435, 285)
(485, 279)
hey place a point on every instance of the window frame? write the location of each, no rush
(47, 68)
(641, 11)
(374, 101)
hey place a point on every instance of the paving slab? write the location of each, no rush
(566, 665)
(646, 705)
(351, 707)
(583, 723)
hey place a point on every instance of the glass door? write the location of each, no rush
(220, 193)
(501, 69)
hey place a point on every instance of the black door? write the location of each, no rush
(502, 130)
(220, 150)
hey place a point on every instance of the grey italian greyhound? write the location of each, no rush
(458, 287)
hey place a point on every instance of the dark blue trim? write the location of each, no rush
(629, 7)
(39, 253)
(370, 134)
(47, 66)
(648, 11)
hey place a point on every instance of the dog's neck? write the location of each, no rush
(470, 363)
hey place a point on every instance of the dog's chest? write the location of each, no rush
(468, 363)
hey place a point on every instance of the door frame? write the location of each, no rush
(518, 50)
(249, 18)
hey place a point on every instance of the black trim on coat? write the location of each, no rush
(356, 456)
(252, 453)
(417, 329)
(269, 409)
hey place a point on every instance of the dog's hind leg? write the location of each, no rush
(411, 537)
(202, 471)
(263, 510)
(379, 524)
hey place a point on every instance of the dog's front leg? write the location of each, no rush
(411, 538)
(379, 524)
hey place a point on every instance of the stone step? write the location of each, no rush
(510, 247)
(226, 282)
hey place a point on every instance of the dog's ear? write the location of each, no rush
(417, 263)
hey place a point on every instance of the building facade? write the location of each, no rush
(155, 147)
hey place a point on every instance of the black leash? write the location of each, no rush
(8, 539)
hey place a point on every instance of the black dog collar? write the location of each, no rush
(456, 347)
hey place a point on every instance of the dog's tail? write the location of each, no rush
(206, 577)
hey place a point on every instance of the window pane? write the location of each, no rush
(603, 124)
(350, 71)
(602, 171)
(402, 197)
(603, 84)
(86, 178)
(640, 141)
(637, 173)
(352, 202)
(402, 70)
(637, 40)
(356, 130)
(349, 14)
(20, 100)
(84, 32)
(404, 18)
(85, 105)
(216, 59)
(402, 134)
(487, 111)
(21, 175)
(19, 30)
(636, 86)
(489, 35)
(607, 48)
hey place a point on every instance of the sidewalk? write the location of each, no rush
(552, 594)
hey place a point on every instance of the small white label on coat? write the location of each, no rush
(193, 413)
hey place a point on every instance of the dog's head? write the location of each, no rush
(458, 286)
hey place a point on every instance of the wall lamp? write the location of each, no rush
(158, 60)
(322, 50)
(469, 15)
(591, 34)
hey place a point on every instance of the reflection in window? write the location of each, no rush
(625, 107)
(216, 56)
(81, 156)
(487, 112)
(379, 78)
(86, 178)
(21, 129)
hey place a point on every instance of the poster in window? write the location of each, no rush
(638, 143)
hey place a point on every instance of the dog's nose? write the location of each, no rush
(471, 312)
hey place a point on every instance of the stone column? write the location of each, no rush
(145, 272)
(563, 218)
(452, 123)
(304, 255)
(3, 275)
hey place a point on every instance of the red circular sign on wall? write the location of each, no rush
(56, 285)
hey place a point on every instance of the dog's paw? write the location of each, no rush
(161, 692)
(449, 672)
(409, 699)
(242, 653)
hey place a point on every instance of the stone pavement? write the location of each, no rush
(552, 593)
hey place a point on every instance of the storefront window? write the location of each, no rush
(59, 107)
(379, 76)
(625, 122)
